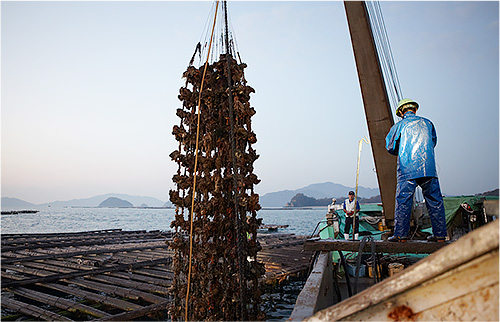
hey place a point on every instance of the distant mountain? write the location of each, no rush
(489, 193)
(374, 199)
(113, 202)
(95, 201)
(317, 190)
(14, 203)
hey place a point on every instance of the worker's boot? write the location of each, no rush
(397, 239)
(356, 236)
(346, 236)
(436, 239)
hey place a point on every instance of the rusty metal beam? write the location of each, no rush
(412, 246)
(376, 103)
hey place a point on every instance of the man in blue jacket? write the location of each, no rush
(413, 140)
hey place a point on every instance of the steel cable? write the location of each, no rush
(383, 47)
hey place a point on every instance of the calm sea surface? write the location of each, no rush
(63, 220)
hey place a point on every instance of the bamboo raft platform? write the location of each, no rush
(271, 227)
(16, 212)
(109, 274)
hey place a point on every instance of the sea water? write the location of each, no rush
(277, 303)
(300, 222)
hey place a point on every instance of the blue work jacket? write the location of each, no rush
(413, 140)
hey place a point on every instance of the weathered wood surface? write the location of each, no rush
(32, 310)
(94, 297)
(458, 282)
(58, 302)
(127, 316)
(119, 275)
(411, 246)
(317, 293)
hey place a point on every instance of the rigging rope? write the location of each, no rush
(243, 311)
(384, 51)
(195, 169)
(221, 45)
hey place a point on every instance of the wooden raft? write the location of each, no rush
(109, 274)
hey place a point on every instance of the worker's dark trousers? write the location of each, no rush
(348, 224)
(433, 201)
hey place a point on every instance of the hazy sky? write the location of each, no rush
(89, 92)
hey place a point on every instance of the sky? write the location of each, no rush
(89, 92)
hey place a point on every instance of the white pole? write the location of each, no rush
(357, 177)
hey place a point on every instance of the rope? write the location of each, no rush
(373, 258)
(195, 169)
(347, 279)
(371, 220)
(358, 265)
(374, 261)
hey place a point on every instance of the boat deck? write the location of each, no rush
(109, 274)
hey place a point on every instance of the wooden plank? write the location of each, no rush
(128, 316)
(164, 267)
(448, 296)
(11, 276)
(91, 260)
(131, 257)
(98, 298)
(129, 284)
(317, 293)
(51, 268)
(142, 278)
(279, 275)
(412, 246)
(68, 264)
(58, 302)
(116, 290)
(285, 244)
(32, 310)
(26, 270)
(155, 273)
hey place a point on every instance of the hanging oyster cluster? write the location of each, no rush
(224, 282)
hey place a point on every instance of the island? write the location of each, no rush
(113, 202)
(300, 200)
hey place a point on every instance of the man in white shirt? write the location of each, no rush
(348, 207)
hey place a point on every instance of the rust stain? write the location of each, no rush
(486, 295)
(402, 313)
